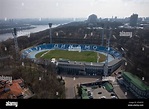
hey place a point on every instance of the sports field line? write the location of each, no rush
(45, 53)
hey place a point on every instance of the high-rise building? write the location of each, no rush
(133, 20)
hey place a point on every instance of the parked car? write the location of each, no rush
(112, 94)
(103, 97)
(113, 97)
(99, 92)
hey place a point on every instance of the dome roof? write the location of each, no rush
(92, 18)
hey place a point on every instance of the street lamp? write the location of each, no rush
(50, 25)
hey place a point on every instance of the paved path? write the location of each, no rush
(5, 57)
(71, 83)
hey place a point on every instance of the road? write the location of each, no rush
(71, 83)
(5, 57)
(121, 92)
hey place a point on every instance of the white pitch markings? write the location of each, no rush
(45, 53)
(98, 57)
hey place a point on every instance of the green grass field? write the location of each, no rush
(86, 56)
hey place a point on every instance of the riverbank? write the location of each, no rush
(37, 28)
(9, 30)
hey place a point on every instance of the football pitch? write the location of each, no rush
(83, 56)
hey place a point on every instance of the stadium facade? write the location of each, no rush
(78, 68)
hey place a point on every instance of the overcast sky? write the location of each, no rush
(72, 8)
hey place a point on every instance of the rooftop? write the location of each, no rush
(14, 90)
(135, 80)
(108, 86)
(76, 63)
(97, 91)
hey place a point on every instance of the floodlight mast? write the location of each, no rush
(108, 48)
(102, 35)
(50, 25)
(14, 33)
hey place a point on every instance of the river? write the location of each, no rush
(38, 28)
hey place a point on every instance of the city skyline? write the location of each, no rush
(72, 8)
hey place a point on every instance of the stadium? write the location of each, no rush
(77, 66)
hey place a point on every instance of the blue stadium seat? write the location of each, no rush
(112, 51)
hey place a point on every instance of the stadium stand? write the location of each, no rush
(83, 68)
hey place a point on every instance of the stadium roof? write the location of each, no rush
(111, 63)
(135, 80)
(81, 63)
(89, 63)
